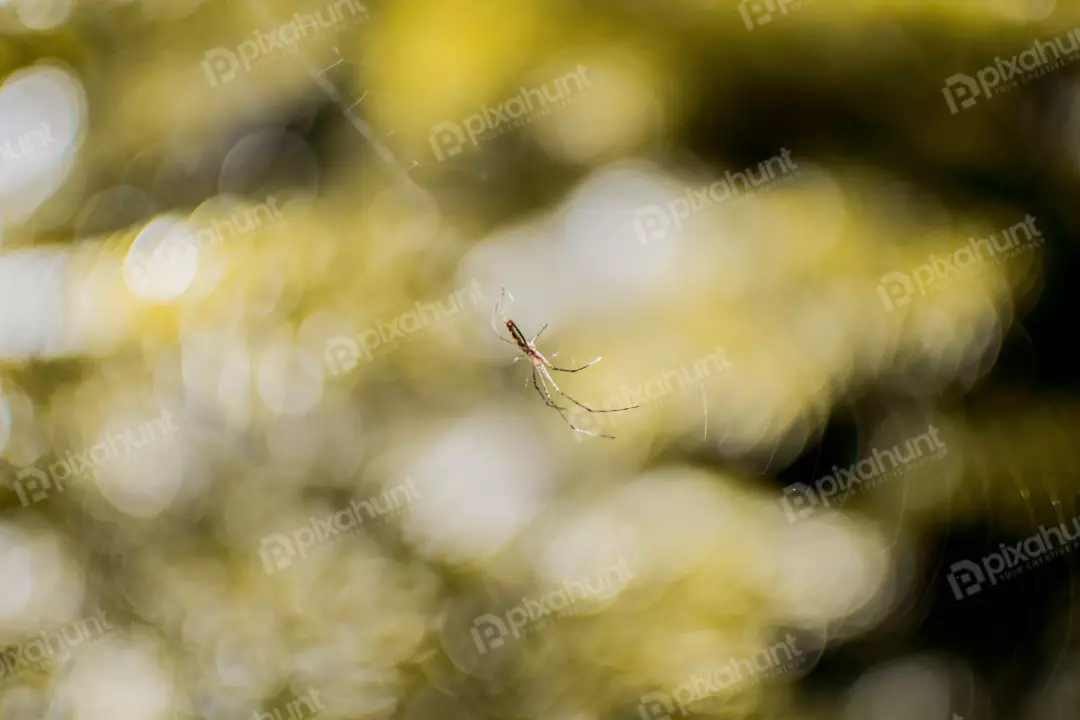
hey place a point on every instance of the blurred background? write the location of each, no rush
(263, 454)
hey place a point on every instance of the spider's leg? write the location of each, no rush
(544, 394)
(573, 369)
(498, 311)
(582, 405)
(537, 335)
(502, 298)
(561, 410)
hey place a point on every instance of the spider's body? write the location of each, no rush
(526, 347)
(541, 368)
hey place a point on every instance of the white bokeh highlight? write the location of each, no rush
(163, 261)
(473, 503)
(42, 113)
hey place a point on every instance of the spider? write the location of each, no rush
(541, 368)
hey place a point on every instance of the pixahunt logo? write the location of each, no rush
(33, 485)
(278, 551)
(490, 631)
(833, 490)
(342, 352)
(653, 222)
(966, 578)
(897, 288)
(296, 708)
(651, 392)
(962, 91)
(45, 651)
(449, 138)
(26, 144)
(774, 660)
(221, 65)
(238, 224)
(189, 239)
(763, 12)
